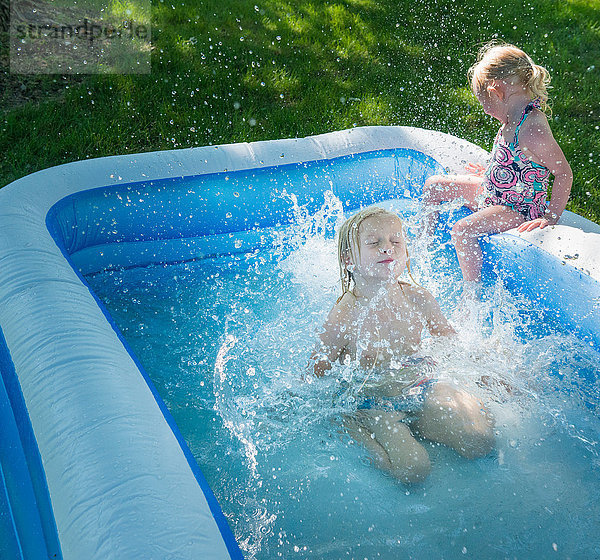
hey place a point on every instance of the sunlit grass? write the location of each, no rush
(229, 71)
(139, 11)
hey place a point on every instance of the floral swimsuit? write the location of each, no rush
(512, 179)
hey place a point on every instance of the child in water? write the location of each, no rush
(512, 192)
(377, 323)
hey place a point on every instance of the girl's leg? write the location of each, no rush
(445, 188)
(457, 419)
(362, 435)
(384, 434)
(466, 233)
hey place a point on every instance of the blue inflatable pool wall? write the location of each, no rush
(171, 220)
(118, 481)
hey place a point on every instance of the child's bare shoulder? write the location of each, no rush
(534, 126)
(418, 294)
(343, 308)
(334, 332)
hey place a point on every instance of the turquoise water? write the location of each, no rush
(226, 342)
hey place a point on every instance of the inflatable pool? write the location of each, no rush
(92, 463)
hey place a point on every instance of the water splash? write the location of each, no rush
(241, 333)
(307, 225)
(237, 419)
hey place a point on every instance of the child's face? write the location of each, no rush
(382, 248)
(489, 97)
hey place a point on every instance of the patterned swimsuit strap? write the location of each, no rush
(533, 104)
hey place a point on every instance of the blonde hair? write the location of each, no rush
(349, 246)
(502, 61)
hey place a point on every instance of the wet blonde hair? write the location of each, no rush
(502, 61)
(349, 246)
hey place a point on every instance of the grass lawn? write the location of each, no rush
(235, 70)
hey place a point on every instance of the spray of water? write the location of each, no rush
(500, 353)
(240, 333)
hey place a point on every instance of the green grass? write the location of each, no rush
(236, 71)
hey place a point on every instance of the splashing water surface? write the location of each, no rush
(226, 342)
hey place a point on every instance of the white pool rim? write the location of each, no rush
(121, 485)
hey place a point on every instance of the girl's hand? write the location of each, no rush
(532, 224)
(475, 169)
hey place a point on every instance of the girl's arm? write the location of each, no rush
(437, 323)
(538, 143)
(333, 340)
(475, 169)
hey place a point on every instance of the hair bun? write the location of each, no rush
(501, 61)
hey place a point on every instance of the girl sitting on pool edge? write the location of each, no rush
(513, 190)
(377, 322)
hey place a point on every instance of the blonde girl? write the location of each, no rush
(513, 190)
(377, 324)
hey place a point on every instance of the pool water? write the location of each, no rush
(226, 342)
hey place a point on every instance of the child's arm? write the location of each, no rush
(333, 339)
(538, 143)
(437, 323)
(475, 169)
